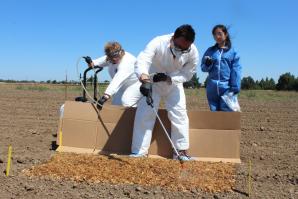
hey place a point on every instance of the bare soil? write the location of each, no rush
(269, 144)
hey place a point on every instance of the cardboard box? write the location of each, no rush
(214, 136)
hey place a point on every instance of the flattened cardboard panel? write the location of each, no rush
(116, 136)
(117, 141)
(68, 149)
(214, 120)
(214, 143)
(112, 114)
(78, 133)
(79, 111)
(213, 135)
(103, 134)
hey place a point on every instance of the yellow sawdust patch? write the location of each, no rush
(211, 177)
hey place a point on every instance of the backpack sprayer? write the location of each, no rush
(96, 69)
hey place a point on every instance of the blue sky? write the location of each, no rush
(42, 39)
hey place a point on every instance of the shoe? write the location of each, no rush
(183, 156)
(135, 155)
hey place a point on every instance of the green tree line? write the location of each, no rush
(286, 81)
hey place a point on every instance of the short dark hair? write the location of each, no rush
(185, 31)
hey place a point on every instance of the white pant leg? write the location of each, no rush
(131, 95)
(176, 105)
(143, 125)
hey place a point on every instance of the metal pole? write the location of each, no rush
(166, 132)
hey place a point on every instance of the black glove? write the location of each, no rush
(160, 77)
(100, 102)
(208, 61)
(88, 59)
(146, 89)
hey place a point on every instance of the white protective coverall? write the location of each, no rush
(157, 58)
(124, 84)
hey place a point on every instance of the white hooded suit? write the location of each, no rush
(158, 58)
(124, 84)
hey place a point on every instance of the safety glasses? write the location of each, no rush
(179, 48)
(115, 54)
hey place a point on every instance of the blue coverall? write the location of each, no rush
(224, 75)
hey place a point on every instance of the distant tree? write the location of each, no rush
(205, 82)
(48, 81)
(188, 84)
(193, 83)
(267, 84)
(248, 83)
(257, 85)
(73, 82)
(196, 81)
(90, 79)
(286, 82)
(261, 84)
(296, 84)
(54, 82)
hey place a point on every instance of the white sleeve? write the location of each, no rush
(188, 70)
(145, 57)
(101, 62)
(124, 71)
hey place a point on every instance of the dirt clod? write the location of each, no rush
(29, 188)
(20, 161)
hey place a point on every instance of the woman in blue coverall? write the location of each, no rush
(221, 61)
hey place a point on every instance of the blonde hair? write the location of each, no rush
(113, 48)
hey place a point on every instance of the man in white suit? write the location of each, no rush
(172, 58)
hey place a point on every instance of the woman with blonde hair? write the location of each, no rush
(124, 86)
